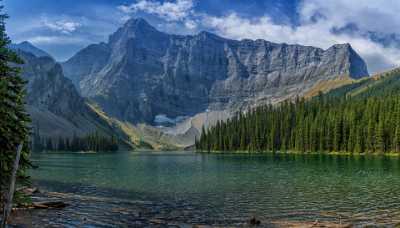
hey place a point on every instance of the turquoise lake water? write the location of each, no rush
(358, 189)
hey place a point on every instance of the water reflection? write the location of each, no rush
(230, 186)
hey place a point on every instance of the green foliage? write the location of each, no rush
(91, 142)
(14, 121)
(362, 117)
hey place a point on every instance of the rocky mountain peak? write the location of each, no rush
(142, 73)
(354, 64)
(137, 28)
(30, 48)
(138, 23)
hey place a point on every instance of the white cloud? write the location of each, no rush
(375, 15)
(190, 24)
(170, 11)
(317, 19)
(64, 26)
(40, 40)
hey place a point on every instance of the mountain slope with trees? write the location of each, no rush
(360, 117)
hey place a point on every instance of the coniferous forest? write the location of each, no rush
(361, 117)
(91, 142)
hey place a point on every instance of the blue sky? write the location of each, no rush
(63, 27)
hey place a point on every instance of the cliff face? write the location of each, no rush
(87, 62)
(48, 88)
(30, 48)
(56, 108)
(142, 73)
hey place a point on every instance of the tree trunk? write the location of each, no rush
(8, 204)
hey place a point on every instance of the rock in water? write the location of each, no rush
(254, 222)
(49, 204)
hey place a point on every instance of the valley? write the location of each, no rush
(201, 114)
(156, 90)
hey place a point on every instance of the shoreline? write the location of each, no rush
(289, 152)
(103, 203)
(366, 154)
(27, 216)
(101, 211)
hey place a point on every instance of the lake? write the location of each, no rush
(224, 189)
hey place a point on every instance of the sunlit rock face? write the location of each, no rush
(142, 73)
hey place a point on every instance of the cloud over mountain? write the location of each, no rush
(63, 26)
(372, 27)
(318, 20)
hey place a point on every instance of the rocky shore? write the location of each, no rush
(54, 209)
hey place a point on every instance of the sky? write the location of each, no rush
(63, 27)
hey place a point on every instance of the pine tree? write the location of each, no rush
(396, 140)
(368, 123)
(14, 120)
(380, 137)
(49, 144)
(61, 144)
(371, 135)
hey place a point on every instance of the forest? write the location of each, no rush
(90, 142)
(363, 117)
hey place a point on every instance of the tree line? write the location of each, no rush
(324, 124)
(90, 142)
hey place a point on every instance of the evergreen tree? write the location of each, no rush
(369, 122)
(14, 120)
(396, 140)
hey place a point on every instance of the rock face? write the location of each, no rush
(48, 89)
(56, 108)
(87, 62)
(30, 48)
(142, 73)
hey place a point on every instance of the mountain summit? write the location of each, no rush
(142, 73)
(30, 48)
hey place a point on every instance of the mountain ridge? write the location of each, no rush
(142, 72)
(26, 46)
(158, 90)
(56, 108)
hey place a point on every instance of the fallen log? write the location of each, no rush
(28, 191)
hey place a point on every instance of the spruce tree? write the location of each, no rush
(14, 121)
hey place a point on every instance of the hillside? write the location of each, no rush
(141, 73)
(361, 117)
(377, 85)
(145, 77)
(55, 107)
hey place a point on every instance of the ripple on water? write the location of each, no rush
(211, 189)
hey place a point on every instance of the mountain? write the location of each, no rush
(180, 83)
(378, 85)
(141, 73)
(361, 117)
(56, 108)
(87, 62)
(30, 48)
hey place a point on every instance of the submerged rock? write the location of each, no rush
(254, 221)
